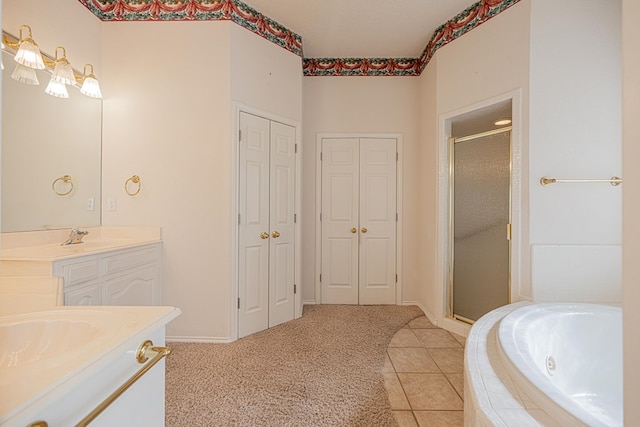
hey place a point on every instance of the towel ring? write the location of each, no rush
(134, 179)
(65, 179)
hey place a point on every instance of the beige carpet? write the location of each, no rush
(324, 369)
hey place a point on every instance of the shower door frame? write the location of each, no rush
(520, 252)
(451, 210)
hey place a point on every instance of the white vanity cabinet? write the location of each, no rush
(120, 277)
(67, 372)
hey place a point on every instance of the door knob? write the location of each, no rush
(363, 229)
(264, 235)
(354, 230)
(275, 234)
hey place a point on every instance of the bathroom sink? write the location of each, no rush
(57, 251)
(55, 361)
(96, 245)
(49, 338)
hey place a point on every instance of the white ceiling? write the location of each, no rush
(361, 28)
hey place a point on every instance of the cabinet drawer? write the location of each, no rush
(128, 260)
(80, 272)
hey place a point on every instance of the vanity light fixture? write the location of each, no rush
(503, 121)
(28, 53)
(62, 71)
(62, 75)
(57, 89)
(24, 74)
(29, 59)
(90, 86)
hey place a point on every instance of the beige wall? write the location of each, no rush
(178, 138)
(478, 68)
(265, 76)
(430, 292)
(167, 118)
(365, 105)
(631, 209)
(575, 133)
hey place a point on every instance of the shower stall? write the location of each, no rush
(480, 225)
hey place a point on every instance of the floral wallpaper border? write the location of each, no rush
(197, 10)
(254, 21)
(459, 25)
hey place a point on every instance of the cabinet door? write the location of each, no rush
(136, 288)
(86, 295)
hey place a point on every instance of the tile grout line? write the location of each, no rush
(413, 411)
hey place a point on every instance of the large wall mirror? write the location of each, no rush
(51, 156)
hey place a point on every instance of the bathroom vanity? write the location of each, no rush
(69, 365)
(112, 266)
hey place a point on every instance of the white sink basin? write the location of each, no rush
(49, 336)
(45, 354)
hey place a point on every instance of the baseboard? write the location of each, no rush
(433, 319)
(450, 325)
(212, 340)
(309, 302)
(456, 326)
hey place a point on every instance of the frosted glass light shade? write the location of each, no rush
(24, 74)
(91, 88)
(63, 73)
(57, 89)
(29, 55)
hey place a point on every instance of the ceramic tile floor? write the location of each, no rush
(423, 375)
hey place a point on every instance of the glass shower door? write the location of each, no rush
(480, 219)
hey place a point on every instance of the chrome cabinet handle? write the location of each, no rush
(264, 235)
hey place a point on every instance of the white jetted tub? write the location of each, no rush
(569, 359)
(550, 364)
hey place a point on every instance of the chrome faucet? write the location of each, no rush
(75, 237)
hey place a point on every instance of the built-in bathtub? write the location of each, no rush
(545, 364)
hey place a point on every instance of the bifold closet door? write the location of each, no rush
(340, 220)
(358, 221)
(282, 226)
(378, 221)
(266, 224)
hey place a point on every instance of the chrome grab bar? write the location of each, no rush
(145, 351)
(614, 180)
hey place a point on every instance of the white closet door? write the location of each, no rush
(377, 279)
(253, 232)
(340, 181)
(358, 220)
(282, 227)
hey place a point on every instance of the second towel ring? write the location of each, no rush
(65, 179)
(134, 179)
